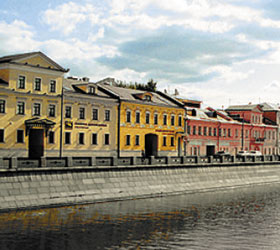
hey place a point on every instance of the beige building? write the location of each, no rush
(30, 98)
(89, 120)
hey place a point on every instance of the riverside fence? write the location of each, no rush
(100, 162)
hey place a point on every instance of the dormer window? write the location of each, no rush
(147, 98)
(91, 90)
(144, 96)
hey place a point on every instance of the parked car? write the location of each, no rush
(255, 152)
(223, 153)
(242, 153)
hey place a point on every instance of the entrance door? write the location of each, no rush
(36, 143)
(151, 144)
(210, 150)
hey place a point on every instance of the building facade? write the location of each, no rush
(150, 123)
(238, 128)
(30, 104)
(89, 120)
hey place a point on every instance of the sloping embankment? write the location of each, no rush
(29, 188)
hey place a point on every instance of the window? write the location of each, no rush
(20, 108)
(199, 130)
(91, 89)
(20, 136)
(164, 141)
(189, 130)
(21, 82)
(172, 120)
(68, 111)
(67, 137)
(37, 109)
(236, 132)
(94, 114)
(82, 113)
(107, 139)
(210, 131)
(215, 131)
(220, 132)
(51, 137)
(2, 106)
(52, 110)
(164, 119)
(2, 135)
(128, 116)
(94, 139)
(52, 86)
(37, 84)
(137, 117)
(194, 130)
(81, 138)
(225, 132)
(205, 131)
(172, 141)
(229, 132)
(180, 121)
(247, 133)
(147, 98)
(107, 115)
(127, 140)
(137, 140)
(147, 117)
(155, 119)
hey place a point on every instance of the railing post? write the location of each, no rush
(114, 161)
(43, 162)
(13, 162)
(133, 160)
(93, 161)
(69, 161)
(152, 160)
(1, 162)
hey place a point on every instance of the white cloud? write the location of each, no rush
(67, 16)
(17, 37)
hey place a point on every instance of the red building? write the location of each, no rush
(242, 127)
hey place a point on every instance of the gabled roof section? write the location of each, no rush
(146, 96)
(270, 106)
(127, 94)
(3, 82)
(249, 107)
(220, 113)
(24, 58)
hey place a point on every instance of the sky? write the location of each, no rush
(220, 52)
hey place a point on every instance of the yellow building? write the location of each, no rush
(89, 121)
(30, 98)
(150, 123)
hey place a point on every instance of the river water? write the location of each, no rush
(243, 218)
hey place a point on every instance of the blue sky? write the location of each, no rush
(221, 52)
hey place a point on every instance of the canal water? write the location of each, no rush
(243, 218)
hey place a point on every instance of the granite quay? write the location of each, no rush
(49, 182)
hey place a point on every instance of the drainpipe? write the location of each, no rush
(61, 123)
(218, 134)
(185, 132)
(119, 127)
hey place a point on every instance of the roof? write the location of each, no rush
(3, 82)
(249, 107)
(269, 106)
(14, 58)
(131, 95)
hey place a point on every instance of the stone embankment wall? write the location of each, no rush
(38, 187)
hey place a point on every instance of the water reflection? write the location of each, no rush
(246, 218)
